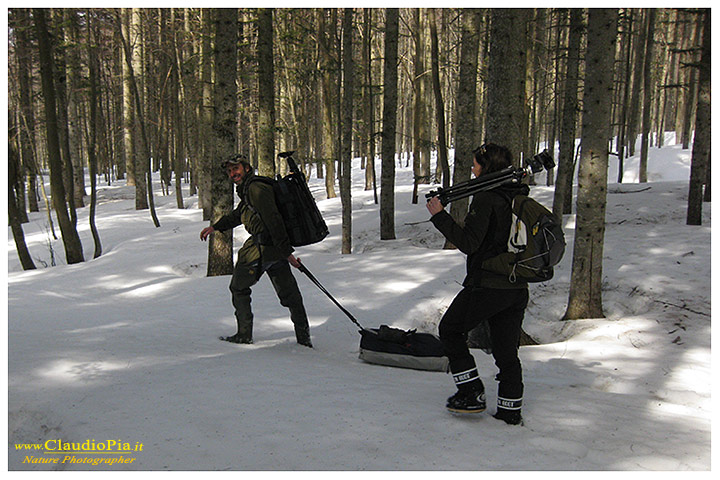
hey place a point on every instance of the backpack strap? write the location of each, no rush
(262, 238)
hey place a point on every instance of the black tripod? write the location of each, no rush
(506, 176)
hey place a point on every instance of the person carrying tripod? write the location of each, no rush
(488, 300)
(267, 250)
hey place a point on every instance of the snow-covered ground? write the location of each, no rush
(125, 349)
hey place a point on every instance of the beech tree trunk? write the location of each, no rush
(390, 98)
(70, 237)
(562, 201)
(703, 138)
(347, 130)
(586, 279)
(13, 214)
(439, 103)
(506, 113)
(266, 94)
(466, 137)
(92, 140)
(220, 249)
(647, 95)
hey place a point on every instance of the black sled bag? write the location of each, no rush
(401, 348)
(391, 346)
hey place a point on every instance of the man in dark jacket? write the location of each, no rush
(267, 250)
(488, 300)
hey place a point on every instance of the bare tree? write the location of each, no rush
(703, 137)
(143, 160)
(70, 237)
(421, 119)
(328, 66)
(26, 126)
(266, 93)
(586, 279)
(92, 140)
(562, 201)
(128, 112)
(439, 103)
(347, 130)
(220, 249)
(206, 111)
(13, 214)
(466, 131)
(506, 114)
(368, 104)
(390, 96)
(178, 161)
(647, 94)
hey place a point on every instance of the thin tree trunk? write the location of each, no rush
(206, 119)
(266, 94)
(420, 117)
(61, 102)
(647, 95)
(703, 138)
(624, 120)
(465, 129)
(690, 90)
(145, 148)
(347, 130)
(27, 116)
(633, 119)
(177, 100)
(15, 225)
(370, 178)
(565, 169)
(327, 65)
(92, 159)
(142, 157)
(70, 237)
(439, 103)
(73, 100)
(390, 80)
(128, 108)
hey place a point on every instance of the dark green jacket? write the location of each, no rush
(258, 211)
(483, 235)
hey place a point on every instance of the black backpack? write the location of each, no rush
(535, 245)
(303, 221)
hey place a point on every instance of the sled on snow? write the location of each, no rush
(393, 347)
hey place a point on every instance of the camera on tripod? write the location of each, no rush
(542, 160)
(507, 176)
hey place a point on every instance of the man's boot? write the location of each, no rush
(302, 334)
(244, 319)
(300, 322)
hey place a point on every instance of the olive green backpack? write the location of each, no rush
(535, 245)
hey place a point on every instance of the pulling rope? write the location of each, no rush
(312, 278)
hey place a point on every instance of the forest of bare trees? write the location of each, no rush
(137, 95)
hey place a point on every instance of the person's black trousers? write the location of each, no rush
(503, 310)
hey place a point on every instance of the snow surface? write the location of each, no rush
(125, 347)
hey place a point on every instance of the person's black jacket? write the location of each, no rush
(484, 234)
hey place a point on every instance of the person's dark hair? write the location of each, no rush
(492, 157)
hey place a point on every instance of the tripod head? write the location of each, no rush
(506, 176)
(291, 162)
